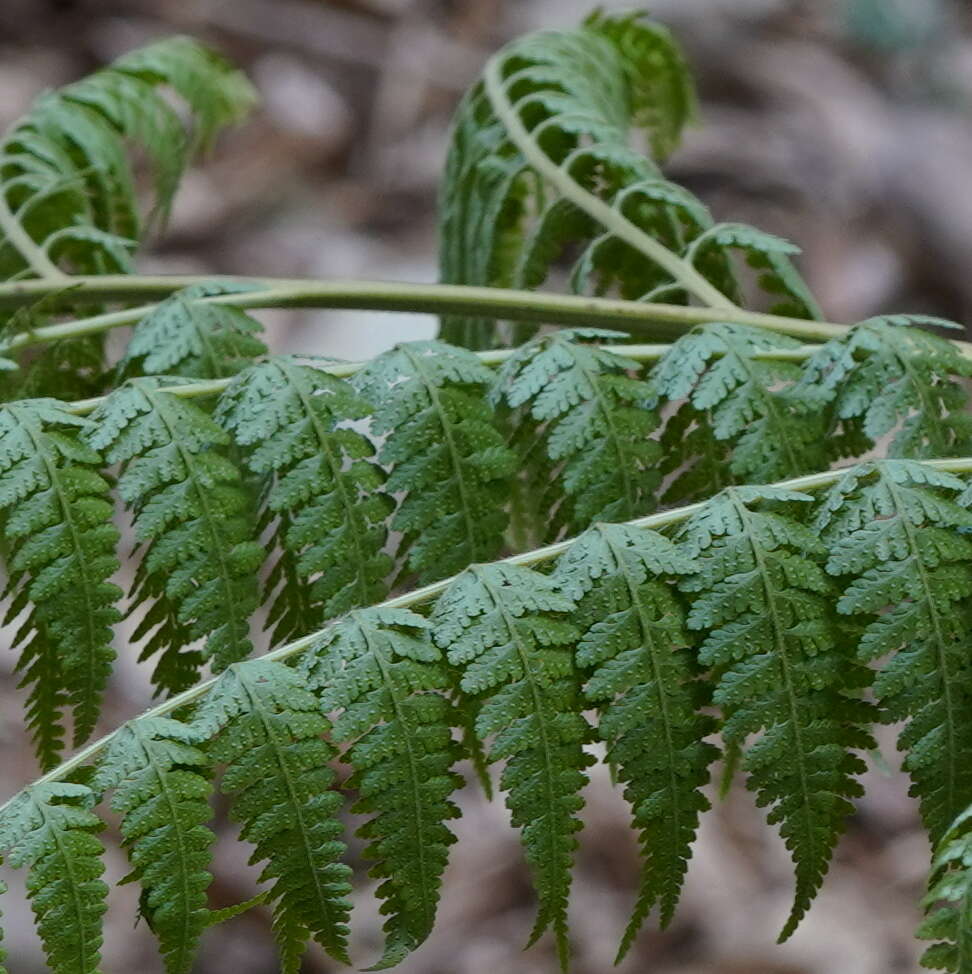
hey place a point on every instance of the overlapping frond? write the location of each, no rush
(266, 727)
(161, 788)
(764, 603)
(59, 546)
(197, 577)
(641, 674)
(385, 678)
(506, 627)
(892, 532)
(948, 904)
(49, 828)
(446, 453)
(582, 425)
(325, 488)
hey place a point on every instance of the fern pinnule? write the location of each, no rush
(593, 422)
(385, 678)
(763, 600)
(324, 486)
(640, 673)
(892, 529)
(505, 627)
(266, 727)
(160, 784)
(197, 578)
(50, 829)
(60, 554)
(446, 454)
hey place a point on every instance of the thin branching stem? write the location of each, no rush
(664, 519)
(18, 238)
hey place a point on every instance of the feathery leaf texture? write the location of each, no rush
(325, 489)
(642, 676)
(773, 424)
(948, 904)
(197, 577)
(267, 728)
(380, 671)
(595, 456)
(447, 455)
(186, 336)
(59, 543)
(50, 829)
(506, 627)
(892, 532)
(764, 601)
(887, 376)
(161, 788)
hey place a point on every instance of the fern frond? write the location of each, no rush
(161, 788)
(634, 647)
(66, 181)
(506, 627)
(267, 727)
(771, 638)
(385, 678)
(60, 552)
(197, 576)
(948, 904)
(325, 487)
(892, 532)
(50, 828)
(595, 421)
(447, 456)
(774, 432)
(188, 337)
(887, 376)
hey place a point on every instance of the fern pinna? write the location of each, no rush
(774, 621)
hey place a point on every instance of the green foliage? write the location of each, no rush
(948, 905)
(325, 490)
(505, 627)
(50, 828)
(267, 730)
(447, 456)
(582, 425)
(379, 670)
(187, 336)
(642, 675)
(161, 789)
(764, 601)
(59, 548)
(197, 578)
(906, 575)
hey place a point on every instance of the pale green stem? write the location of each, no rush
(500, 303)
(655, 521)
(494, 357)
(21, 241)
(607, 216)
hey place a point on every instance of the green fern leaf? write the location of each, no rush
(948, 904)
(595, 426)
(504, 626)
(61, 542)
(381, 673)
(197, 576)
(641, 675)
(266, 726)
(764, 602)
(161, 790)
(49, 828)
(446, 454)
(325, 488)
(189, 337)
(885, 377)
(774, 432)
(891, 531)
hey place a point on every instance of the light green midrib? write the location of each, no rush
(425, 593)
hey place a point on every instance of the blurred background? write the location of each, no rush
(845, 125)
